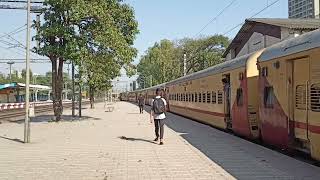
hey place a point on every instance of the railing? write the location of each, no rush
(12, 114)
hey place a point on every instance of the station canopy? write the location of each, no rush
(21, 85)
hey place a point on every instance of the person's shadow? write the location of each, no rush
(11, 139)
(136, 139)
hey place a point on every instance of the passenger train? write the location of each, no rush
(272, 95)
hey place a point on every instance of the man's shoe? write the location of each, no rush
(161, 143)
(156, 139)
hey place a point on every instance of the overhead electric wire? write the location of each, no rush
(15, 1)
(11, 50)
(230, 30)
(217, 16)
(15, 31)
(262, 10)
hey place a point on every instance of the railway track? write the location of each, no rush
(12, 115)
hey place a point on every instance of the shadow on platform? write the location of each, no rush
(133, 113)
(136, 139)
(12, 139)
(240, 158)
(64, 118)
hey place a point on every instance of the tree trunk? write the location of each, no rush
(57, 86)
(91, 94)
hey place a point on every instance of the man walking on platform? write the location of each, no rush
(141, 103)
(158, 109)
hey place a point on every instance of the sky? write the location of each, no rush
(161, 19)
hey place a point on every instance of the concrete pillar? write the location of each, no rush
(36, 95)
(49, 92)
(66, 95)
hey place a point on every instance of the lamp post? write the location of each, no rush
(184, 64)
(10, 63)
(27, 118)
(73, 89)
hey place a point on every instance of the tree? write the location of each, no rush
(159, 65)
(204, 52)
(84, 31)
(164, 61)
(107, 31)
(3, 79)
(57, 39)
(23, 74)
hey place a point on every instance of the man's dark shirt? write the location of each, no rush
(140, 101)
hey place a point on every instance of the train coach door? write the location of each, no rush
(301, 77)
(227, 99)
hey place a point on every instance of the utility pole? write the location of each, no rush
(80, 93)
(27, 118)
(184, 64)
(73, 93)
(10, 63)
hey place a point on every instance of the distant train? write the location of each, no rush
(272, 95)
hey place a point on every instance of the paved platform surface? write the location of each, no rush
(118, 145)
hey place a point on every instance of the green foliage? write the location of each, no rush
(164, 61)
(107, 31)
(160, 64)
(3, 79)
(96, 34)
(204, 52)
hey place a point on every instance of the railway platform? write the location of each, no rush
(118, 145)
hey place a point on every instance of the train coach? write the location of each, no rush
(150, 93)
(219, 96)
(289, 89)
(272, 94)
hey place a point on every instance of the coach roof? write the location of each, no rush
(301, 43)
(219, 68)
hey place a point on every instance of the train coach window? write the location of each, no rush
(239, 97)
(301, 97)
(199, 97)
(195, 97)
(204, 97)
(220, 100)
(214, 97)
(268, 97)
(315, 97)
(208, 97)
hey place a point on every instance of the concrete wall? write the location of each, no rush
(258, 41)
(3, 98)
